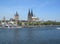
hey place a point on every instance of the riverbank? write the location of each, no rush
(30, 26)
(38, 26)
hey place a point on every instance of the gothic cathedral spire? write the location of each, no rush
(30, 15)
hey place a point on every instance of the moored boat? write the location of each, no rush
(58, 28)
(9, 26)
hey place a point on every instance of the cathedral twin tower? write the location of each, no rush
(30, 15)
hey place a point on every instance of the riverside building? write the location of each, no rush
(16, 18)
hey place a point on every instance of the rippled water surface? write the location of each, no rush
(41, 35)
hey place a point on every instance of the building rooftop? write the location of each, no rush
(34, 17)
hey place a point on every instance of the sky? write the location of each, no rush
(43, 9)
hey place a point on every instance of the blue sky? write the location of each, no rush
(44, 9)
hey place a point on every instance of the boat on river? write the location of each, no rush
(58, 28)
(10, 26)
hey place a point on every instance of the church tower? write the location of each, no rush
(30, 15)
(16, 17)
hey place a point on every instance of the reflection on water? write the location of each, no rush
(16, 36)
(42, 35)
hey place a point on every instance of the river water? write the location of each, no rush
(40, 35)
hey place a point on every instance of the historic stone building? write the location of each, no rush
(35, 19)
(16, 18)
(30, 15)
